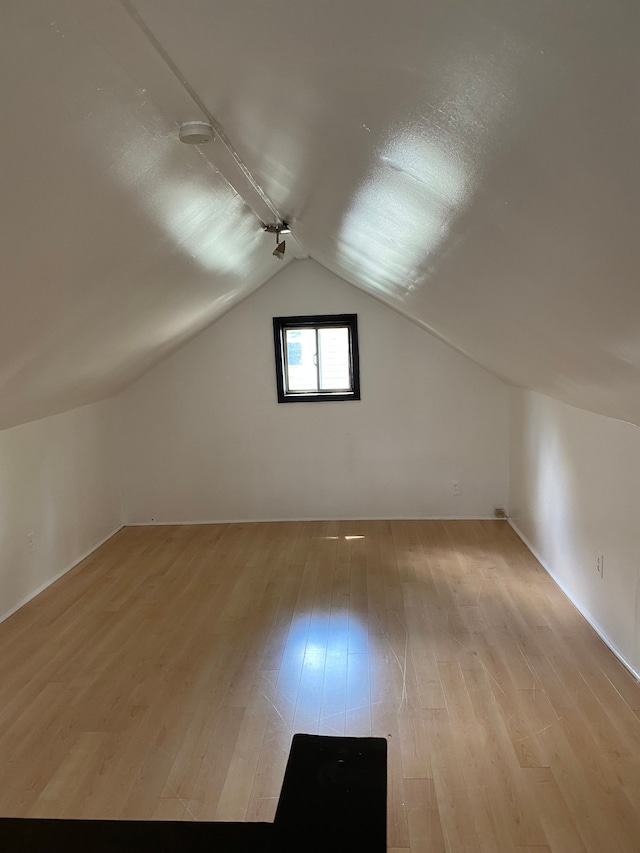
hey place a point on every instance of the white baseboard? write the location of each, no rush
(52, 580)
(315, 518)
(594, 624)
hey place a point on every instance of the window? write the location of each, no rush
(317, 358)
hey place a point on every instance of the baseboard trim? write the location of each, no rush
(315, 518)
(64, 571)
(583, 611)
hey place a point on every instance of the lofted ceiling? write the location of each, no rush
(472, 165)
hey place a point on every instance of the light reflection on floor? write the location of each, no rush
(343, 537)
(324, 679)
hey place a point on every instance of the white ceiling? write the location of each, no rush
(473, 165)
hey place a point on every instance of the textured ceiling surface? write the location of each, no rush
(474, 166)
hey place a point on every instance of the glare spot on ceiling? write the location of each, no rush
(401, 213)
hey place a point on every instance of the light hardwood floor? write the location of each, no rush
(164, 677)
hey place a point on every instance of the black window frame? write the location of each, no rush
(316, 321)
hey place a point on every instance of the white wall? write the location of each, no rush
(574, 493)
(204, 439)
(58, 480)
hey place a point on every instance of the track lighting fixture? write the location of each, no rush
(276, 229)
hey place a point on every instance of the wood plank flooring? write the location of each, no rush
(164, 676)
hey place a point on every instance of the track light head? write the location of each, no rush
(278, 229)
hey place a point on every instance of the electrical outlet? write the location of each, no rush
(500, 512)
(600, 565)
(457, 488)
(31, 542)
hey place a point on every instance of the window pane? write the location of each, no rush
(333, 357)
(302, 374)
(316, 357)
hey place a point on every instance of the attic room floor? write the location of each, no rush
(164, 676)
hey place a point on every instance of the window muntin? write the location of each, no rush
(317, 357)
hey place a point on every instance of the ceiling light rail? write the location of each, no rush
(210, 121)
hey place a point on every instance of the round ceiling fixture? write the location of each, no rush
(195, 132)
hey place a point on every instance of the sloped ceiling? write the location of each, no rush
(473, 165)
